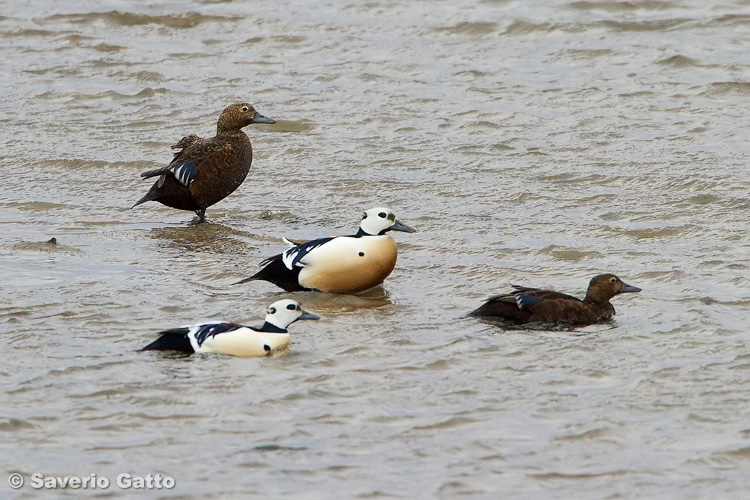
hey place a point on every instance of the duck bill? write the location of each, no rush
(400, 226)
(629, 288)
(262, 119)
(308, 315)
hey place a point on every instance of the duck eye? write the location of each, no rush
(613, 280)
(382, 215)
(245, 108)
(291, 307)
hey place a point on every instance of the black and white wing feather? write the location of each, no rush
(203, 332)
(293, 256)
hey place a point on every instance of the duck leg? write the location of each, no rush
(201, 213)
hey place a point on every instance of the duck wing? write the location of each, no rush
(293, 256)
(203, 332)
(184, 166)
(502, 306)
(542, 294)
(524, 302)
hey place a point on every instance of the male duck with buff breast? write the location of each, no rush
(339, 264)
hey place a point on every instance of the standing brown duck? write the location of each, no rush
(532, 305)
(205, 171)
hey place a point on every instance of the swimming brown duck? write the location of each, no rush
(205, 171)
(532, 305)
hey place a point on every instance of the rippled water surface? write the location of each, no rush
(530, 142)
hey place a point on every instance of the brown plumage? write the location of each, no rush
(532, 305)
(205, 171)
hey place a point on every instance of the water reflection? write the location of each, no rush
(318, 302)
(339, 302)
(204, 237)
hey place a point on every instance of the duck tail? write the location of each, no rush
(156, 172)
(251, 278)
(153, 193)
(274, 271)
(148, 197)
(500, 306)
(175, 339)
(264, 273)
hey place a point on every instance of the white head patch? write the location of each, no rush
(376, 220)
(283, 313)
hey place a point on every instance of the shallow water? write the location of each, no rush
(537, 143)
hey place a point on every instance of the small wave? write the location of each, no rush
(589, 435)
(32, 33)
(568, 254)
(470, 28)
(117, 18)
(15, 424)
(526, 28)
(656, 26)
(622, 6)
(723, 88)
(580, 475)
(731, 20)
(280, 40)
(679, 61)
(668, 232)
(589, 53)
(147, 92)
(148, 77)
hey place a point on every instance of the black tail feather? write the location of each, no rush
(156, 172)
(148, 197)
(277, 257)
(246, 280)
(501, 306)
(277, 273)
(175, 339)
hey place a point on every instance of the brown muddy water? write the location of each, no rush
(538, 143)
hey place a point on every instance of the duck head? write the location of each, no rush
(380, 220)
(283, 313)
(605, 286)
(236, 116)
